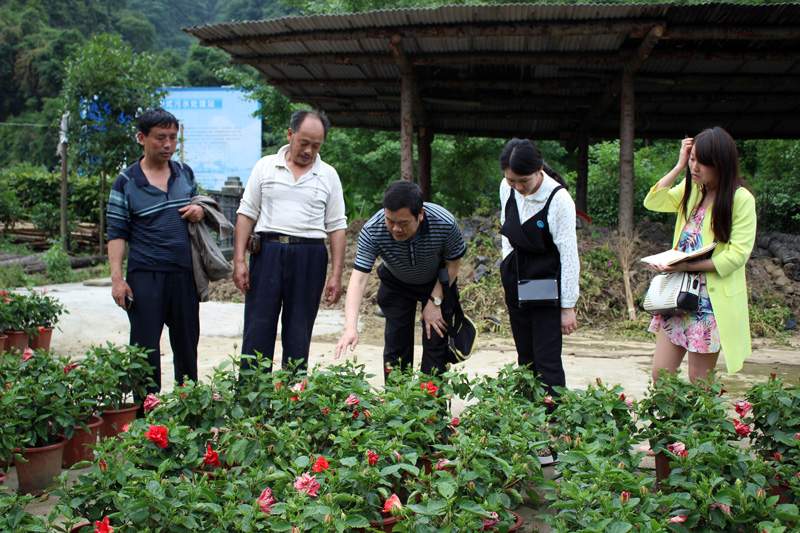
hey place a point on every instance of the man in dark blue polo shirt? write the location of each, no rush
(148, 210)
(414, 240)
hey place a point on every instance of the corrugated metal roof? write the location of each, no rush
(499, 54)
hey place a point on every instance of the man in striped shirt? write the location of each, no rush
(148, 211)
(421, 247)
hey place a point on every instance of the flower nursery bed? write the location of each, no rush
(254, 450)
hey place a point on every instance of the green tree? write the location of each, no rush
(106, 84)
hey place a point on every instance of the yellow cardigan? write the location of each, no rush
(727, 287)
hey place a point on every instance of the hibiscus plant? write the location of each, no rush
(124, 372)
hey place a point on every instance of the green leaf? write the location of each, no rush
(349, 461)
(446, 488)
(618, 527)
(357, 521)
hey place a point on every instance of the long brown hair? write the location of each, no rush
(714, 147)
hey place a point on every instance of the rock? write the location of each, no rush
(480, 272)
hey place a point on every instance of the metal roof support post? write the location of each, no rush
(582, 182)
(424, 140)
(626, 132)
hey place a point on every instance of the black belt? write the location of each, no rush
(288, 239)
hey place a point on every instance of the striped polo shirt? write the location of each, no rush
(148, 218)
(416, 260)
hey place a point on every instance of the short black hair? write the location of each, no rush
(155, 117)
(402, 194)
(299, 116)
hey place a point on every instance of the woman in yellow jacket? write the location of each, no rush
(712, 205)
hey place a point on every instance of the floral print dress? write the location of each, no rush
(696, 332)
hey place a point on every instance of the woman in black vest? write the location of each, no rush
(540, 267)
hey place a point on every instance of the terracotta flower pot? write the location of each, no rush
(114, 419)
(42, 466)
(41, 339)
(3, 338)
(16, 341)
(518, 523)
(83, 527)
(79, 447)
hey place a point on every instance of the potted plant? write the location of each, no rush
(124, 375)
(5, 318)
(17, 316)
(43, 413)
(84, 389)
(45, 312)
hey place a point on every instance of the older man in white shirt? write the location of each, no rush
(292, 200)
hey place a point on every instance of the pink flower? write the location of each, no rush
(125, 427)
(455, 421)
(777, 456)
(548, 401)
(678, 519)
(266, 501)
(624, 496)
(372, 457)
(678, 448)
(217, 397)
(151, 402)
(103, 526)
(742, 408)
(742, 429)
(308, 484)
(489, 523)
(392, 502)
(352, 400)
(429, 387)
(320, 465)
(27, 354)
(441, 464)
(797, 436)
(211, 458)
(299, 387)
(725, 508)
(158, 435)
(629, 403)
(397, 456)
(70, 367)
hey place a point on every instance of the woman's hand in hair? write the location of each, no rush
(686, 150)
(569, 321)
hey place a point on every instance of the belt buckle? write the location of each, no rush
(283, 239)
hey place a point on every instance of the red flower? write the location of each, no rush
(392, 502)
(266, 501)
(624, 496)
(41, 329)
(355, 414)
(308, 484)
(777, 456)
(211, 458)
(725, 508)
(151, 402)
(352, 400)
(320, 465)
(678, 519)
(326, 411)
(125, 427)
(103, 526)
(742, 408)
(678, 448)
(429, 387)
(372, 457)
(455, 421)
(278, 385)
(742, 430)
(70, 367)
(27, 354)
(489, 523)
(158, 435)
(622, 396)
(548, 401)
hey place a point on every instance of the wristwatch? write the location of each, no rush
(436, 300)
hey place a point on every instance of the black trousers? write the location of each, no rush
(537, 336)
(286, 280)
(169, 298)
(399, 302)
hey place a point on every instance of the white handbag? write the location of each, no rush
(673, 293)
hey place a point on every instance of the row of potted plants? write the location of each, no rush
(706, 478)
(51, 406)
(27, 320)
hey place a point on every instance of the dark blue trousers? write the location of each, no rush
(285, 280)
(169, 298)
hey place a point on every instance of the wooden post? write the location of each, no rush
(406, 128)
(424, 140)
(582, 183)
(626, 131)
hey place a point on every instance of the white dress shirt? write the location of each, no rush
(561, 221)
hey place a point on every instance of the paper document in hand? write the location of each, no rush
(673, 257)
